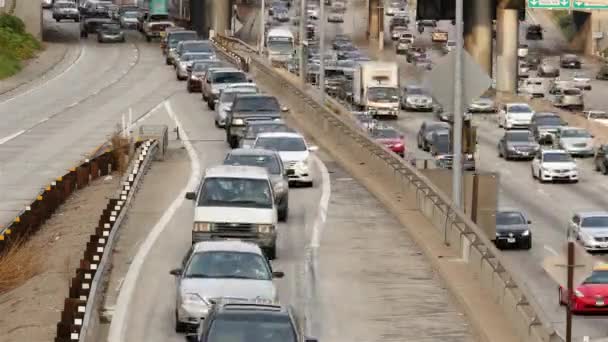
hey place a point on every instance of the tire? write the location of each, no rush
(500, 153)
(233, 142)
(540, 177)
(308, 184)
(283, 213)
(527, 245)
(211, 105)
(418, 143)
(179, 326)
(58, 20)
(167, 61)
(189, 88)
(148, 39)
(603, 169)
(271, 252)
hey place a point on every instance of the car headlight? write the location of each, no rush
(579, 294)
(526, 232)
(201, 227)
(301, 165)
(193, 298)
(265, 228)
(238, 122)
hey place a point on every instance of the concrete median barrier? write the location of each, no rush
(407, 192)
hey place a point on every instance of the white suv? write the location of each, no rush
(515, 115)
(552, 165)
(294, 152)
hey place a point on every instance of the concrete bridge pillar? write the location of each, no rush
(373, 19)
(478, 32)
(507, 42)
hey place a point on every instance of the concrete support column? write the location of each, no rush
(372, 14)
(507, 42)
(478, 32)
(222, 12)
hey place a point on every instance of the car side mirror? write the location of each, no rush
(176, 272)
(278, 274)
(313, 148)
(529, 221)
(284, 109)
(250, 80)
(190, 196)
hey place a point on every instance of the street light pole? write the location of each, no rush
(262, 27)
(458, 117)
(322, 51)
(570, 284)
(303, 18)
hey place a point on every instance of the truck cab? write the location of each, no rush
(280, 45)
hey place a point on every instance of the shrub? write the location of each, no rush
(12, 22)
(15, 45)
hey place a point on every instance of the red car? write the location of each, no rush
(390, 138)
(591, 295)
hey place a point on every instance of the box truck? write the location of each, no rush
(376, 88)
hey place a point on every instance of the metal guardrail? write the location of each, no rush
(80, 305)
(517, 300)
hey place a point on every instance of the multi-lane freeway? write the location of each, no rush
(549, 206)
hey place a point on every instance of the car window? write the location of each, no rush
(595, 222)
(385, 134)
(228, 264)
(260, 104)
(285, 144)
(270, 162)
(548, 121)
(572, 92)
(505, 218)
(515, 109)
(228, 77)
(575, 133)
(520, 136)
(246, 327)
(253, 130)
(235, 192)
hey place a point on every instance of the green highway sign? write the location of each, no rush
(550, 3)
(591, 4)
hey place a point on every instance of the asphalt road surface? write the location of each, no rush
(549, 206)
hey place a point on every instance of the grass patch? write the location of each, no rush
(18, 265)
(16, 45)
(565, 22)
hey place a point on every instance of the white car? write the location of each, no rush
(522, 51)
(313, 13)
(335, 17)
(294, 152)
(576, 141)
(533, 87)
(226, 98)
(398, 31)
(590, 229)
(523, 70)
(515, 115)
(552, 165)
(598, 116)
(581, 81)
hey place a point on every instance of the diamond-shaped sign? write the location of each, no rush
(441, 81)
(549, 3)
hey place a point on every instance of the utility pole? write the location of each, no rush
(380, 26)
(303, 19)
(458, 117)
(262, 27)
(322, 51)
(570, 289)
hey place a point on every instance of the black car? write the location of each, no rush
(534, 32)
(238, 320)
(92, 25)
(512, 230)
(517, 144)
(602, 74)
(600, 160)
(441, 149)
(249, 107)
(544, 126)
(570, 61)
(425, 133)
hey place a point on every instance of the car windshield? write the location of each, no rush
(257, 104)
(229, 77)
(110, 27)
(188, 57)
(130, 15)
(228, 264)
(597, 277)
(549, 121)
(386, 134)
(203, 66)
(285, 144)
(415, 91)
(235, 192)
(253, 130)
(175, 38)
(572, 92)
(65, 5)
(229, 96)
(598, 115)
(381, 94)
(575, 133)
(267, 161)
(519, 109)
(442, 143)
(595, 222)
(252, 327)
(556, 157)
(507, 218)
(282, 46)
(520, 136)
(199, 47)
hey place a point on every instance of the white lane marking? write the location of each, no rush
(43, 120)
(119, 319)
(11, 137)
(317, 229)
(550, 250)
(29, 91)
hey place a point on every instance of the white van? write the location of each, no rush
(236, 202)
(280, 45)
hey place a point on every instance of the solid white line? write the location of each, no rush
(29, 91)
(550, 250)
(120, 322)
(11, 137)
(43, 120)
(317, 229)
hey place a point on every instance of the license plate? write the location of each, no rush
(525, 153)
(511, 240)
(162, 34)
(600, 302)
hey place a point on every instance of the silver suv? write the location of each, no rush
(212, 270)
(65, 10)
(569, 98)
